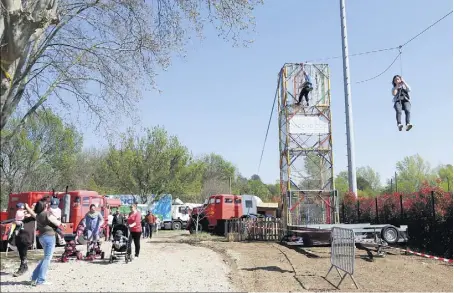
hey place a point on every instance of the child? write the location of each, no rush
(20, 215)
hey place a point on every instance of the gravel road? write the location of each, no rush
(163, 265)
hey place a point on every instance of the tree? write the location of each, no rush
(216, 167)
(316, 172)
(412, 171)
(151, 164)
(62, 50)
(41, 156)
(256, 177)
(363, 184)
(214, 186)
(258, 188)
(275, 189)
(365, 187)
(197, 218)
(341, 183)
(372, 177)
(445, 173)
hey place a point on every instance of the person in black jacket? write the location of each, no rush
(24, 240)
(117, 219)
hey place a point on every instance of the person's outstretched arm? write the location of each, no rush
(30, 211)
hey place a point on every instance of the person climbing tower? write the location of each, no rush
(401, 99)
(306, 88)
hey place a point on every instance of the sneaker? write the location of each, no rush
(409, 126)
(400, 126)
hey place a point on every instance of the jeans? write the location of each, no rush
(145, 231)
(399, 106)
(150, 230)
(40, 272)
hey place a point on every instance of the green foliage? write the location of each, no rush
(47, 154)
(412, 172)
(445, 174)
(40, 156)
(154, 163)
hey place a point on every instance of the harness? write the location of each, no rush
(402, 95)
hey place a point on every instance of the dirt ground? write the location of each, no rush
(272, 267)
(176, 261)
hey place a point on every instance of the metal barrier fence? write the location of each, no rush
(343, 253)
(259, 229)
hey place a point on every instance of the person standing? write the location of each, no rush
(23, 241)
(92, 221)
(150, 223)
(306, 88)
(47, 225)
(110, 218)
(144, 227)
(135, 226)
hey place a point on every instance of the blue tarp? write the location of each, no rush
(163, 208)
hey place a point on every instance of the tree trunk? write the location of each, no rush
(20, 25)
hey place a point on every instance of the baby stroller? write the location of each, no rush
(93, 244)
(94, 250)
(71, 251)
(121, 244)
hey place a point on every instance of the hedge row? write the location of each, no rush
(428, 214)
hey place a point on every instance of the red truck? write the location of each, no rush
(212, 216)
(73, 204)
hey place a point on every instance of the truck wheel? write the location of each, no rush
(176, 226)
(390, 234)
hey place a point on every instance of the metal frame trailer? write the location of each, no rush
(366, 235)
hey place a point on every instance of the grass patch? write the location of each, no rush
(202, 237)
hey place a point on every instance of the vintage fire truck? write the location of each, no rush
(212, 216)
(73, 204)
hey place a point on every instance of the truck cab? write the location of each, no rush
(218, 209)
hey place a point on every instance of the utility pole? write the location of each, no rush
(348, 105)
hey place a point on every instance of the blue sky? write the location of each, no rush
(218, 98)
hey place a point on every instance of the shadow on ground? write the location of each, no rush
(12, 283)
(268, 268)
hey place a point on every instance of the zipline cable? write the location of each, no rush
(399, 56)
(383, 72)
(400, 49)
(269, 123)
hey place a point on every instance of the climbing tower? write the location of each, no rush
(305, 147)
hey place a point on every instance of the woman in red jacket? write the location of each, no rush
(135, 226)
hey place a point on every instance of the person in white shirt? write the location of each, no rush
(401, 99)
(109, 225)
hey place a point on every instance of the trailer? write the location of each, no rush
(367, 236)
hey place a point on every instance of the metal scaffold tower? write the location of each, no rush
(305, 147)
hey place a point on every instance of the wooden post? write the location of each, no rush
(376, 210)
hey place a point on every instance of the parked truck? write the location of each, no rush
(173, 214)
(211, 217)
(73, 204)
